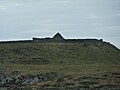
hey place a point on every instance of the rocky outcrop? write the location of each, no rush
(17, 79)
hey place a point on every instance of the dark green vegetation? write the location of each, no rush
(59, 53)
(91, 60)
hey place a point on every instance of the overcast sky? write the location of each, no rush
(24, 19)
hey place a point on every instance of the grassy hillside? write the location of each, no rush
(66, 53)
(61, 57)
(85, 63)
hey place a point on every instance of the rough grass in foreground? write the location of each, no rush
(73, 69)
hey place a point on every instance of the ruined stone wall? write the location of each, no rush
(51, 40)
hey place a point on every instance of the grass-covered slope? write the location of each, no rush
(85, 63)
(59, 53)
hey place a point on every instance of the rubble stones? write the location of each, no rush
(17, 79)
(2, 76)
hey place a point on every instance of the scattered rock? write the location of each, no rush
(17, 79)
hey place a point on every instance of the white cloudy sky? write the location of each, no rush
(23, 19)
